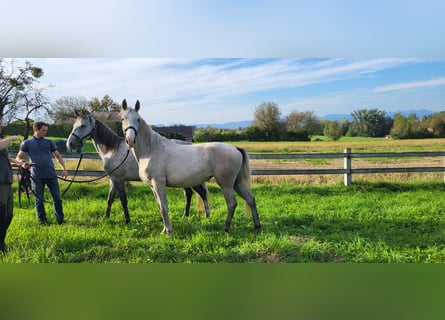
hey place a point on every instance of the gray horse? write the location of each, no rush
(163, 163)
(113, 150)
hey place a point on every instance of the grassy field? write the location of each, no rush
(377, 219)
(368, 222)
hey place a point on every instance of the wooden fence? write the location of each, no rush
(347, 171)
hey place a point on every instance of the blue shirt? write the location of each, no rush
(40, 152)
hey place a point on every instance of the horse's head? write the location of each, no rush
(83, 128)
(130, 123)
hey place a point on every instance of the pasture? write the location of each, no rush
(377, 219)
(368, 222)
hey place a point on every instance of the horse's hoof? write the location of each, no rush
(166, 231)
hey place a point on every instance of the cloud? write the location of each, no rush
(183, 90)
(170, 79)
(411, 85)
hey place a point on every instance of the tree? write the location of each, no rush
(64, 108)
(333, 130)
(267, 118)
(105, 105)
(370, 123)
(345, 125)
(18, 84)
(303, 121)
(402, 127)
(32, 102)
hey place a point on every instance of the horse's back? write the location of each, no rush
(220, 151)
(223, 158)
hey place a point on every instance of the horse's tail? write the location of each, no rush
(246, 175)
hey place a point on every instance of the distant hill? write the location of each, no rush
(334, 116)
(340, 116)
(227, 125)
(419, 113)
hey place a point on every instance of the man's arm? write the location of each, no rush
(61, 162)
(19, 160)
(23, 164)
(4, 143)
(20, 155)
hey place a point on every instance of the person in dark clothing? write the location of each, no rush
(6, 178)
(40, 151)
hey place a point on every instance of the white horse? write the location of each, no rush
(113, 151)
(163, 163)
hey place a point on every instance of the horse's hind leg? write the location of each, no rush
(203, 193)
(188, 198)
(247, 195)
(231, 206)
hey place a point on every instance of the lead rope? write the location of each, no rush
(25, 179)
(74, 176)
(101, 177)
(25, 185)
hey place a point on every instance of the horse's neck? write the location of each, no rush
(100, 148)
(150, 138)
(101, 138)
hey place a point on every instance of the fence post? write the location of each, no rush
(347, 166)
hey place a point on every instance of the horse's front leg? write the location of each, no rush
(124, 201)
(160, 193)
(110, 199)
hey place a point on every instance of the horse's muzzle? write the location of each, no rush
(130, 143)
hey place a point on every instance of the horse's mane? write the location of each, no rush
(106, 137)
(151, 134)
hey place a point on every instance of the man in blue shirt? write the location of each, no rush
(40, 151)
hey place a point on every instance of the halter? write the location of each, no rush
(131, 127)
(134, 129)
(88, 135)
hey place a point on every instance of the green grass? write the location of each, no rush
(367, 222)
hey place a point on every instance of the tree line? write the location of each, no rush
(22, 99)
(269, 125)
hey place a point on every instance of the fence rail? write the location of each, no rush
(347, 171)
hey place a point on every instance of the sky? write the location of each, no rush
(204, 61)
(197, 91)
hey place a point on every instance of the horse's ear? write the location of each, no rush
(137, 106)
(77, 113)
(124, 104)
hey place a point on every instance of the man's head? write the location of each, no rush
(40, 129)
